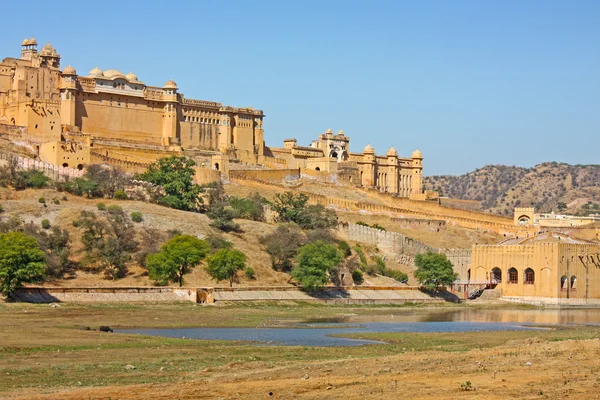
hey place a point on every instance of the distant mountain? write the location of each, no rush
(573, 189)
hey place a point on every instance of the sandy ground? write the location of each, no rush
(527, 369)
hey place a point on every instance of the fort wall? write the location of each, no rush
(120, 294)
(51, 170)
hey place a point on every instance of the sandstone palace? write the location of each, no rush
(109, 117)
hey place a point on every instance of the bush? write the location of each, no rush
(249, 272)
(45, 224)
(357, 276)
(120, 195)
(56, 201)
(137, 216)
(345, 248)
(1, 209)
(42, 200)
(377, 226)
(101, 206)
(361, 255)
(114, 209)
(217, 243)
(362, 223)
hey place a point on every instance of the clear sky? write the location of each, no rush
(469, 83)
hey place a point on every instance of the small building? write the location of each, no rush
(548, 268)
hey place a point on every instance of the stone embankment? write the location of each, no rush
(344, 295)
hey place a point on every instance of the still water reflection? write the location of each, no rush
(317, 332)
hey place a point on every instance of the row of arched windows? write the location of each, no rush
(513, 276)
(565, 282)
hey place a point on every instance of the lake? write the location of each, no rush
(318, 332)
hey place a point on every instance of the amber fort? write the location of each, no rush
(105, 116)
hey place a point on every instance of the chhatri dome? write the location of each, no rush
(32, 42)
(47, 50)
(417, 154)
(170, 84)
(369, 149)
(131, 77)
(96, 72)
(340, 133)
(113, 74)
(392, 152)
(69, 70)
(329, 131)
(25, 42)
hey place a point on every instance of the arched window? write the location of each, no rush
(317, 169)
(65, 165)
(563, 283)
(216, 166)
(529, 276)
(80, 166)
(573, 283)
(513, 276)
(496, 275)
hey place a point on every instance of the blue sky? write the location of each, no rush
(469, 83)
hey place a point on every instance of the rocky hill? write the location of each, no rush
(573, 189)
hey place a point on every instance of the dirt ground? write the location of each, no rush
(45, 355)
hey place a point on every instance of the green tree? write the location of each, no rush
(251, 208)
(21, 261)
(294, 208)
(222, 218)
(315, 262)
(175, 177)
(433, 270)
(225, 264)
(176, 258)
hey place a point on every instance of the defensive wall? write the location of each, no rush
(266, 176)
(119, 294)
(403, 248)
(399, 207)
(53, 171)
(97, 157)
(419, 223)
(472, 205)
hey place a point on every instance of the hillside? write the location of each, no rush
(547, 186)
(62, 209)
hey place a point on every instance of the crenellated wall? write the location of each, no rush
(53, 171)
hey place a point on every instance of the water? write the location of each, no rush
(317, 332)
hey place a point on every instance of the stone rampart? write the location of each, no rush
(266, 176)
(433, 225)
(129, 166)
(118, 294)
(404, 248)
(13, 132)
(205, 176)
(53, 171)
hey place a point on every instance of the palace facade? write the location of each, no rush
(107, 116)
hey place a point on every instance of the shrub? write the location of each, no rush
(45, 224)
(361, 255)
(357, 276)
(362, 223)
(137, 216)
(217, 243)
(377, 226)
(42, 200)
(101, 206)
(1, 209)
(249, 272)
(114, 209)
(120, 195)
(56, 201)
(345, 248)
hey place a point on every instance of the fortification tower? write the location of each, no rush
(368, 174)
(417, 175)
(28, 48)
(68, 90)
(169, 132)
(392, 175)
(49, 57)
(524, 216)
